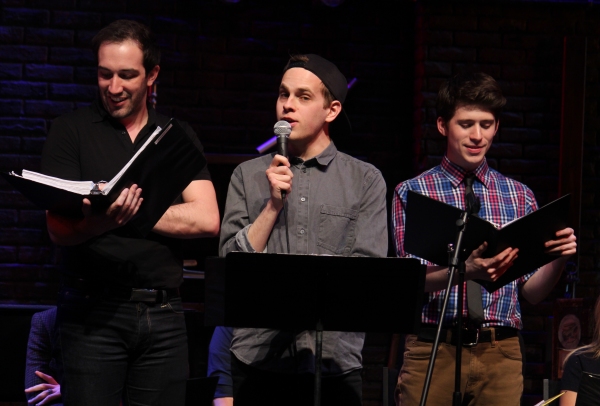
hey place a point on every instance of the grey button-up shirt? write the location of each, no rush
(336, 207)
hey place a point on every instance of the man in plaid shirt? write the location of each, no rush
(468, 106)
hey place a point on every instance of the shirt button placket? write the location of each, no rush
(302, 211)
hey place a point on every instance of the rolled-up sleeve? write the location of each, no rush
(234, 229)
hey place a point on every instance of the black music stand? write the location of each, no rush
(310, 292)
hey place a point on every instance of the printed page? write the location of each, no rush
(79, 187)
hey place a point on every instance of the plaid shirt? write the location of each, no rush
(502, 200)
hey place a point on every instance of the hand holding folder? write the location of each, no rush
(163, 167)
(431, 226)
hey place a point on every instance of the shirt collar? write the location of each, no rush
(456, 174)
(323, 159)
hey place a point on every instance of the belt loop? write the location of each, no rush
(493, 336)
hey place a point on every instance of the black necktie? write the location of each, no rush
(471, 201)
(474, 301)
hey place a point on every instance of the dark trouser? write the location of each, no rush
(252, 386)
(116, 350)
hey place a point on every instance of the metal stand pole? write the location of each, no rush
(319, 357)
(454, 264)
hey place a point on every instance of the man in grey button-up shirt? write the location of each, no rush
(335, 207)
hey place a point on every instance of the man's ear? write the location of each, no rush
(441, 126)
(335, 108)
(152, 75)
(497, 126)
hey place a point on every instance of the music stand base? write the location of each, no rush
(318, 362)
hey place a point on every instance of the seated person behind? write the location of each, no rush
(219, 364)
(583, 359)
(43, 370)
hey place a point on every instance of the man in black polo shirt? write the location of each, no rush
(120, 316)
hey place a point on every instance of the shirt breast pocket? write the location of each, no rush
(337, 227)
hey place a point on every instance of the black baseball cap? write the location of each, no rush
(334, 81)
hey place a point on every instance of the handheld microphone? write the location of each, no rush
(282, 130)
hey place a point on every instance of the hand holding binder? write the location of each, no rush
(430, 227)
(119, 213)
(163, 167)
(491, 268)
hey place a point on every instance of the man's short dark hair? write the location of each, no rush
(474, 89)
(122, 30)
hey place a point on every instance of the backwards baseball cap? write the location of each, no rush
(333, 80)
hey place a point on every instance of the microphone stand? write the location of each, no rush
(318, 362)
(454, 263)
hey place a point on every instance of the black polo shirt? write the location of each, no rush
(88, 144)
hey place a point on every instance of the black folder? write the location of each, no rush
(431, 227)
(163, 170)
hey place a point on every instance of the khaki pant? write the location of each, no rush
(491, 374)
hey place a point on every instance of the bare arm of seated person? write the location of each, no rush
(568, 399)
(280, 179)
(197, 216)
(50, 391)
(490, 269)
(223, 402)
(72, 231)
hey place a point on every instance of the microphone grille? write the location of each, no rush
(282, 128)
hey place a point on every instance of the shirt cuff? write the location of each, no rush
(242, 242)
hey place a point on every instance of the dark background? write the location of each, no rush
(220, 71)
